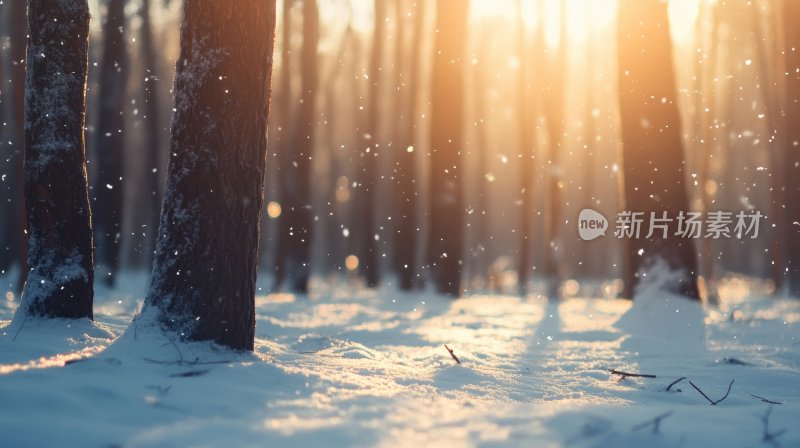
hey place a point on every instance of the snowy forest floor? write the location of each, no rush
(353, 367)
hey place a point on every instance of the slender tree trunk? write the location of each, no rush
(6, 152)
(652, 146)
(108, 142)
(768, 68)
(284, 112)
(19, 37)
(480, 226)
(153, 130)
(791, 15)
(407, 236)
(705, 71)
(297, 215)
(446, 215)
(59, 217)
(553, 102)
(528, 152)
(369, 184)
(204, 274)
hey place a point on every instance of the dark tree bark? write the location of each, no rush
(108, 143)
(446, 215)
(6, 150)
(19, 37)
(791, 15)
(407, 236)
(59, 217)
(297, 217)
(369, 181)
(652, 152)
(152, 130)
(204, 274)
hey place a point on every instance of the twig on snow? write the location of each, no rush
(624, 375)
(770, 437)
(765, 400)
(713, 403)
(675, 382)
(453, 355)
(14, 339)
(181, 362)
(654, 422)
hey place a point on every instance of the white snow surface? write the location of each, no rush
(353, 367)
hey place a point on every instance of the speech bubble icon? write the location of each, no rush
(591, 224)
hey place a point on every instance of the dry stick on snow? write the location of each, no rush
(706, 396)
(675, 382)
(769, 437)
(654, 422)
(624, 375)
(20, 327)
(453, 355)
(765, 400)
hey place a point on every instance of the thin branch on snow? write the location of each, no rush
(624, 375)
(181, 362)
(765, 400)
(770, 437)
(675, 382)
(453, 355)
(706, 396)
(20, 327)
(161, 390)
(654, 422)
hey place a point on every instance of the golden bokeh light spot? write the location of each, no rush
(273, 210)
(351, 262)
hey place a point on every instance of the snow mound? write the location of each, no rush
(661, 320)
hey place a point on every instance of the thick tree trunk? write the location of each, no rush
(791, 15)
(369, 182)
(406, 196)
(19, 37)
(59, 217)
(652, 147)
(297, 218)
(204, 274)
(446, 215)
(108, 143)
(153, 130)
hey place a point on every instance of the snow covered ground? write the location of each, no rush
(351, 367)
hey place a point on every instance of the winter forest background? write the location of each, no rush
(424, 165)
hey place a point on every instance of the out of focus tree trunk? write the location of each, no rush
(108, 143)
(791, 162)
(527, 142)
(406, 196)
(297, 216)
(552, 96)
(59, 217)
(284, 113)
(19, 37)
(652, 152)
(152, 131)
(446, 214)
(6, 152)
(204, 273)
(369, 175)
